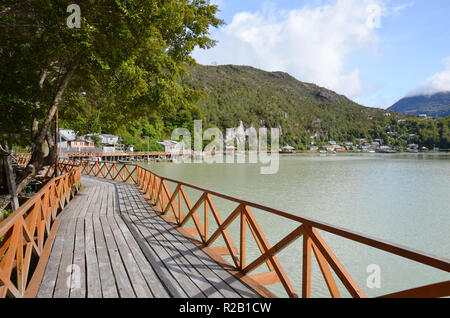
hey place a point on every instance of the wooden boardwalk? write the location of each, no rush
(110, 243)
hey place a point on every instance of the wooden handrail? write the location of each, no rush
(28, 231)
(155, 189)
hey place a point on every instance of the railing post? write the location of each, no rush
(243, 239)
(206, 224)
(306, 264)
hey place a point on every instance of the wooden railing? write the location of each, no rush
(26, 235)
(170, 205)
(22, 158)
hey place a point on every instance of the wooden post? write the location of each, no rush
(56, 142)
(306, 271)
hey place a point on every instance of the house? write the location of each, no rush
(171, 146)
(340, 149)
(379, 141)
(67, 135)
(81, 145)
(288, 148)
(106, 139)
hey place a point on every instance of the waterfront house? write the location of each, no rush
(67, 135)
(288, 148)
(81, 145)
(171, 146)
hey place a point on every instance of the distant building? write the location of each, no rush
(81, 145)
(171, 146)
(106, 139)
(67, 135)
(288, 148)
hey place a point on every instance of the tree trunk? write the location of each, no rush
(38, 159)
(10, 179)
(6, 162)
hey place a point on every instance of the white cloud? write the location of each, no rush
(439, 82)
(402, 7)
(314, 44)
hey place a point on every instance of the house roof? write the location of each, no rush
(168, 143)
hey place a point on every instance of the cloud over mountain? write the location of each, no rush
(313, 43)
(439, 82)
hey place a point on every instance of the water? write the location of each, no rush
(402, 198)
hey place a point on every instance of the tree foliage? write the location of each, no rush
(124, 61)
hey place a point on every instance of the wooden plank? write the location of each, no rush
(51, 272)
(122, 282)
(156, 286)
(107, 281)
(163, 260)
(79, 260)
(92, 271)
(170, 283)
(197, 267)
(137, 279)
(153, 238)
(200, 259)
(218, 270)
(244, 285)
(185, 260)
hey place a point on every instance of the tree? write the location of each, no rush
(127, 54)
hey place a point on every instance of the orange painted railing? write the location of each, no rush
(21, 159)
(26, 235)
(156, 190)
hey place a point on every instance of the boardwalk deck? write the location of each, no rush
(110, 243)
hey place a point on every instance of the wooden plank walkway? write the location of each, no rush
(111, 244)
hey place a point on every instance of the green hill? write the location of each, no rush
(276, 99)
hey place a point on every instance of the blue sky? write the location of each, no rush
(373, 51)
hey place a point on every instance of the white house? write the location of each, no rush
(171, 146)
(106, 139)
(67, 135)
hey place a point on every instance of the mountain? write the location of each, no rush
(436, 105)
(276, 99)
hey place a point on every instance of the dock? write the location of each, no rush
(111, 244)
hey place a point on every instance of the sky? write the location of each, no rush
(373, 51)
